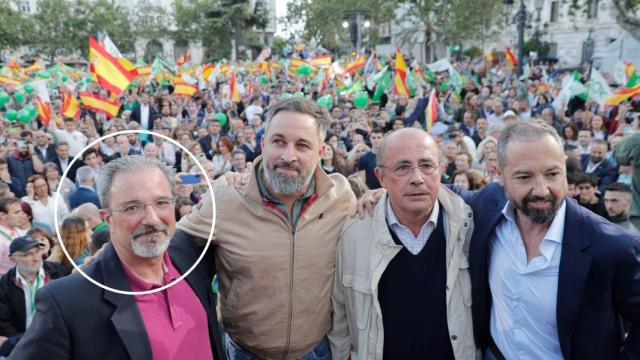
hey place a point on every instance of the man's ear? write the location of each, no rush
(105, 215)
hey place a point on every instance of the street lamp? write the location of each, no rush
(587, 51)
(359, 20)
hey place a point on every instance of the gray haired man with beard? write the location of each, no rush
(276, 240)
(76, 319)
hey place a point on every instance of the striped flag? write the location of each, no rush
(44, 112)
(183, 88)
(111, 74)
(234, 95)
(621, 95)
(95, 103)
(357, 64)
(70, 107)
(143, 70)
(321, 61)
(9, 81)
(511, 58)
(431, 114)
(400, 80)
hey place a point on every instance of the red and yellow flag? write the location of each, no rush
(183, 88)
(234, 95)
(9, 81)
(143, 70)
(511, 58)
(207, 70)
(44, 111)
(70, 107)
(431, 114)
(111, 74)
(400, 80)
(321, 61)
(95, 103)
(621, 95)
(357, 64)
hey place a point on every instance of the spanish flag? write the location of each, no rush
(44, 111)
(511, 58)
(111, 74)
(431, 114)
(357, 64)
(183, 88)
(400, 80)
(621, 95)
(234, 95)
(207, 70)
(70, 106)
(143, 70)
(321, 61)
(95, 103)
(9, 81)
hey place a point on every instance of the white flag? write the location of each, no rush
(441, 65)
(597, 88)
(619, 74)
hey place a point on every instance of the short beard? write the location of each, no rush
(283, 183)
(538, 216)
(155, 246)
(28, 270)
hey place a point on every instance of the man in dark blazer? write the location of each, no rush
(144, 112)
(596, 163)
(76, 319)
(63, 160)
(592, 290)
(85, 192)
(45, 151)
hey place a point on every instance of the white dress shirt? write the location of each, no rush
(414, 244)
(144, 116)
(523, 314)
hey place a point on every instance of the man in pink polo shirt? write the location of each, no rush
(77, 320)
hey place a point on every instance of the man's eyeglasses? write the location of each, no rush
(404, 169)
(137, 208)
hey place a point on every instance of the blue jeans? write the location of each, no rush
(235, 352)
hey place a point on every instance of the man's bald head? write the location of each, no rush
(402, 137)
(90, 213)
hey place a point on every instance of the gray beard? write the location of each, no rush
(27, 270)
(286, 184)
(150, 250)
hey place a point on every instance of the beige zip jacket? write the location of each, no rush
(275, 281)
(364, 251)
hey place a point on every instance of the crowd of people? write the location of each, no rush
(46, 195)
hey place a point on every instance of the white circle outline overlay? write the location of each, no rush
(79, 269)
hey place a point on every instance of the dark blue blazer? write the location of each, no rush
(83, 195)
(606, 172)
(598, 283)
(76, 319)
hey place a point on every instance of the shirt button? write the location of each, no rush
(454, 338)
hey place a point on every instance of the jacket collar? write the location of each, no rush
(252, 191)
(126, 318)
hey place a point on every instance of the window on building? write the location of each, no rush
(384, 31)
(553, 49)
(23, 6)
(553, 15)
(592, 9)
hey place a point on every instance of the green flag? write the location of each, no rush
(381, 87)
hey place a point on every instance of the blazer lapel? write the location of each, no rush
(126, 318)
(574, 268)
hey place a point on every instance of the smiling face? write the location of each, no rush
(145, 234)
(534, 178)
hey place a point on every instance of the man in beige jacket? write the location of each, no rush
(402, 288)
(275, 241)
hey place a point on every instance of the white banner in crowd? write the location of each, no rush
(597, 88)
